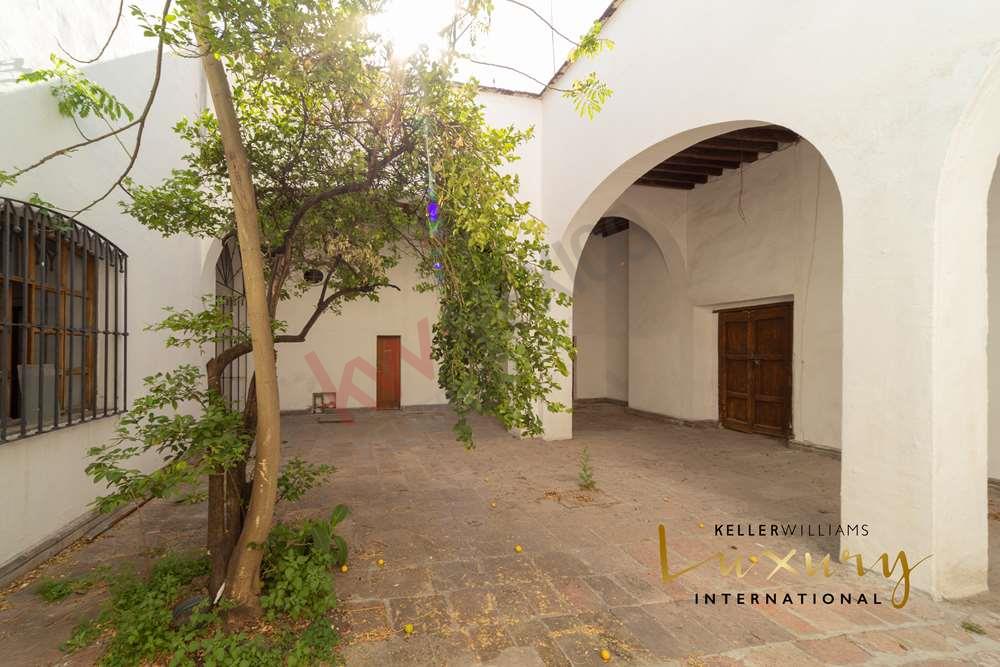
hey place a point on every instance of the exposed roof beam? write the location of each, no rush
(719, 153)
(740, 144)
(673, 185)
(771, 133)
(681, 160)
(674, 176)
(670, 166)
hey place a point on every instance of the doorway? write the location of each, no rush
(387, 386)
(755, 369)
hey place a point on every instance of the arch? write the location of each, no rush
(569, 246)
(691, 300)
(960, 322)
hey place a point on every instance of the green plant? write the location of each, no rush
(139, 622)
(297, 563)
(299, 476)
(54, 590)
(84, 634)
(194, 445)
(586, 476)
(974, 628)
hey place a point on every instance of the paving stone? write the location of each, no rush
(610, 592)
(876, 642)
(589, 576)
(362, 621)
(654, 637)
(534, 633)
(454, 575)
(834, 651)
(778, 654)
(428, 614)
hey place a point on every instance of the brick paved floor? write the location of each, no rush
(446, 521)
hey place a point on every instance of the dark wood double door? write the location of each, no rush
(755, 369)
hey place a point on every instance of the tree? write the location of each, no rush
(325, 153)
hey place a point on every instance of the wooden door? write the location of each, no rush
(388, 372)
(755, 369)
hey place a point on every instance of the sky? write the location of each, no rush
(517, 38)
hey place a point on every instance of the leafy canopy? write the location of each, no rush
(346, 146)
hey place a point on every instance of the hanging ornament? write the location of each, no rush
(433, 208)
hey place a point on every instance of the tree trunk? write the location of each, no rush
(243, 580)
(228, 492)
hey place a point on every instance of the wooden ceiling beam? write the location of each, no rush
(673, 185)
(767, 133)
(740, 144)
(680, 160)
(675, 176)
(708, 170)
(719, 153)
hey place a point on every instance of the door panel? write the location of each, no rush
(735, 386)
(387, 385)
(755, 369)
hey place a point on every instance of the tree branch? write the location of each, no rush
(324, 304)
(118, 20)
(544, 20)
(141, 120)
(517, 71)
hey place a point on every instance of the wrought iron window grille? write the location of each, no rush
(63, 322)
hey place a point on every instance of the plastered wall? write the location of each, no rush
(692, 252)
(601, 307)
(339, 353)
(42, 477)
(993, 344)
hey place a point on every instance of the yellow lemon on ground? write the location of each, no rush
(343, 568)
(380, 562)
(493, 504)
(408, 628)
(518, 548)
(605, 655)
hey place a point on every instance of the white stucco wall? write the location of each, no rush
(672, 336)
(339, 353)
(788, 248)
(44, 485)
(993, 345)
(906, 131)
(601, 307)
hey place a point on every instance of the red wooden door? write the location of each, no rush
(755, 369)
(387, 372)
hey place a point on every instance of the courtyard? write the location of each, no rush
(445, 522)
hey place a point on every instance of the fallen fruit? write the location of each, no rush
(343, 568)
(605, 655)
(380, 562)
(493, 504)
(408, 628)
(518, 548)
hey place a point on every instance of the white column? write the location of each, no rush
(914, 383)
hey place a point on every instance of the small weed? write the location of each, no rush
(54, 590)
(299, 476)
(974, 628)
(84, 634)
(587, 480)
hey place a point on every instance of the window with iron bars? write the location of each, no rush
(63, 312)
(229, 290)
